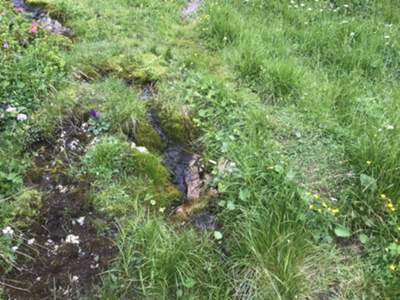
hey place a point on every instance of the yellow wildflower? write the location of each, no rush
(316, 196)
(369, 162)
(334, 211)
(312, 206)
(324, 204)
(383, 196)
(390, 206)
(392, 267)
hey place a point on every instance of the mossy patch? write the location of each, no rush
(136, 177)
(134, 69)
(177, 125)
(145, 135)
(27, 207)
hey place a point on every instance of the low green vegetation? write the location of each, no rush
(293, 104)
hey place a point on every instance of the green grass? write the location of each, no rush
(295, 108)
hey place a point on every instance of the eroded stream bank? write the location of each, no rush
(69, 243)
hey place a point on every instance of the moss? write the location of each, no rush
(112, 158)
(154, 65)
(146, 136)
(150, 166)
(178, 127)
(27, 207)
(167, 195)
(136, 74)
(127, 197)
(38, 3)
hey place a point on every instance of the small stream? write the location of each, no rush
(187, 175)
(175, 157)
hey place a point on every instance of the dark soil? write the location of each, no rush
(70, 243)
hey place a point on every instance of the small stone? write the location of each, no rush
(11, 109)
(142, 149)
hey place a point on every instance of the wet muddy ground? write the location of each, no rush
(69, 243)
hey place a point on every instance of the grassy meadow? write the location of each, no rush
(293, 105)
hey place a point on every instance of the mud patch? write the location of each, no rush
(70, 243)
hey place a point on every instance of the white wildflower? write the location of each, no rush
(389, 127)
(22, 117)
(15, 248)
(75, 278)
(62, 189)
(73, 145)
(31, 241)
(72, 239)
(81, 221)
(8, 231)
(84, 126)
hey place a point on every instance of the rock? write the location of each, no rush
(193, 179)
(54, 26)
(191, 7)
(140, 149)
